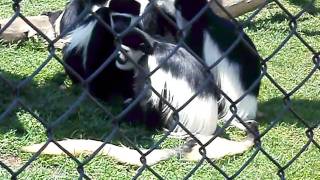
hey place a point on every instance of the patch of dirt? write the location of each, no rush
(11, 161)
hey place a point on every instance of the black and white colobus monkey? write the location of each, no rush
(153, 22)
(209, 37)
(156, 21)
(67, 21)
(178, 79)
(91, 44)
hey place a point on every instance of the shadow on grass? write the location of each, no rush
(307, 110)
(272, 22)
(305, 4)
(257, 24)
(311, 33)
(50, 101)
(88, 121)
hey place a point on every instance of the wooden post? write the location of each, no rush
(235, 7)
(19, 30)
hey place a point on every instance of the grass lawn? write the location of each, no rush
(48, 100)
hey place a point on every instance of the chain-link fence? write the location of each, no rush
(58, 107)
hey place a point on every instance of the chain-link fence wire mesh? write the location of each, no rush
(18, 101)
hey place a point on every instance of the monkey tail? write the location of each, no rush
(119, 153)
(217, 149)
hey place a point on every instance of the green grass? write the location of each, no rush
(46, 99)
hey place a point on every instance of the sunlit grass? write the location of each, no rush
(47, 100)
